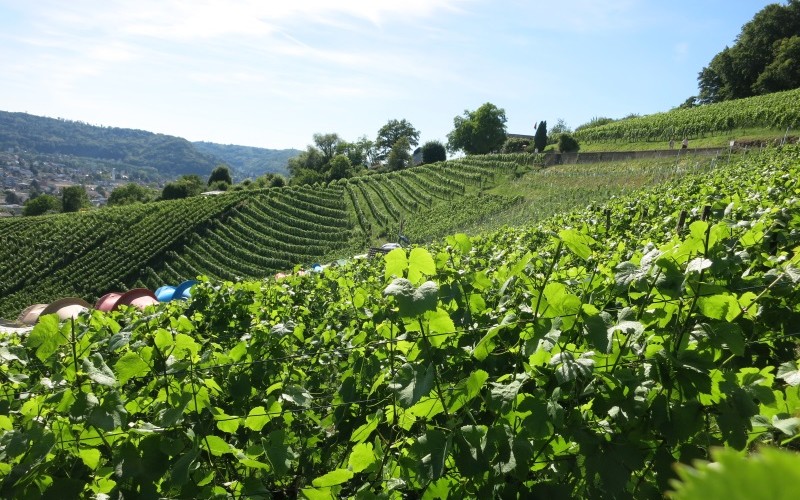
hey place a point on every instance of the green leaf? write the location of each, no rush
(460, 241)
(163, 339)
(770, 473)
(411, 383)
(789, 373)
(413, 301)
(129, 366)
(260, 416)
(396, 263)
(466, 390)
(577, 242)
(441, 327)
(332, 478)
(361, 457)
(363, 432)
(720, 306)
(318, 494)
(215, 445)
(45, 337)
(97, 370)
(90, 457)
(420, 264)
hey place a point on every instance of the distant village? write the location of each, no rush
(25, 174)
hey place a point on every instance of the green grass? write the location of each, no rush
(743, 137)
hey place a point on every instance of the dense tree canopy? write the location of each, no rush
(41, 205)
(389, 134)
(129, 194)
(478, 132)
(329, 159)
(221, 173)
(399, 156)
(764, 59)
(74, 198)
(433, 151)
(185, 187)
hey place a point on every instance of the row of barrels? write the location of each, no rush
(71, 307)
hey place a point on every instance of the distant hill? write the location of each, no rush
(171, 156)
(248, 161)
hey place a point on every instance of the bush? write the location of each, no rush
(515, 145)
(567, 144)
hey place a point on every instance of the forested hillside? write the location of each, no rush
(169, 155)
(248, 161)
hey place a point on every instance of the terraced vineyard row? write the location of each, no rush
(776, 110)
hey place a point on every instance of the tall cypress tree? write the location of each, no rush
(540, 137)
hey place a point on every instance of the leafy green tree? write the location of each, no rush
(783, 73)
(555, 132)
(763, 46)
(12, 198)
(222, 173)
(129, 194)
(393, 131)
(540, 137)
(361, 153)
(74, 198)
(567, 143)
(327, 144)
(185, 187)
(41, 205)
(219, 186)
(478, 132)
(269, 180)
(340, 168)
(433, 151)
(399, 157)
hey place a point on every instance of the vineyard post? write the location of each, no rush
(681, 221)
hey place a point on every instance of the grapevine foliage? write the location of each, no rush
(582, 357)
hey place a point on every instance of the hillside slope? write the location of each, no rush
(254, 234)
(170, 155)
(248, 161)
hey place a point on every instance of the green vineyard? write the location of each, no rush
(585, 356)
(251, 234)
(775, 111)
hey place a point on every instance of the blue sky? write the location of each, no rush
(271, 74)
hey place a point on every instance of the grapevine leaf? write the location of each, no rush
(129, 366)
(789, 373)
(396, 263)
(577, 242)
(363, 432)
(698, 264)
(719, 306)
(90, 457)
(441, 327)
(413, 301)
(595, 329)
(460, 241)
(332, 478)
(215, 445)
(411, 383)
(97, 370)
(297, 395)
(279, 453)
(361, 457)
(260, 416)
(420, 263)
(45, 337)
(467, 390)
